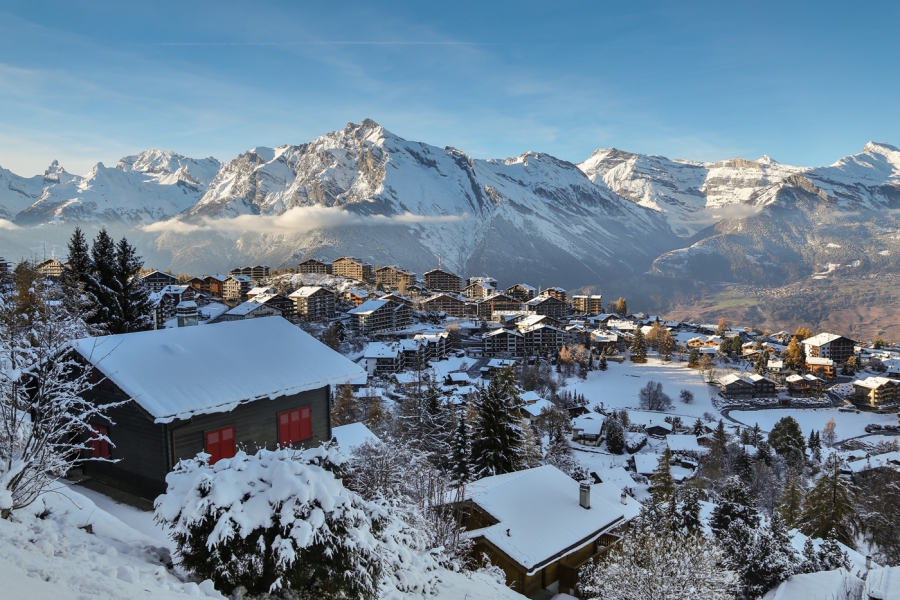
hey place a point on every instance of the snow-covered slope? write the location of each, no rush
(690, 194)
(508, 215)
(18, 193)
(151, 186)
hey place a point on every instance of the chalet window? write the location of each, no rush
(220, 444)
(295, 426)
(99, 446)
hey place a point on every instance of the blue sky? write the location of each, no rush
(88, 81)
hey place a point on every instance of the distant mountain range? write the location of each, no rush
(364, 191)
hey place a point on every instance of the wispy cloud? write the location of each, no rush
(296, 220)
(4, 224)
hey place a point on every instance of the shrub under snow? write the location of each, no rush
(284, 520)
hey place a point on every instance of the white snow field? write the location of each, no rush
(847, 424)
(618, 386)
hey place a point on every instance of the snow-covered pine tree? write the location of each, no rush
(75, 277)
(831, 556)
(638, 347)
(461, 448)
(133, 299)
(498, 438)
(662, 482)
(603, 364)
(615, 436)
(766, 561)
(103, 282)
(735, 504)
(829, 507)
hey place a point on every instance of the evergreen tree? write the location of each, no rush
(498, 437)
(638, 347)
(103, 283)
(690, 510)
(762, 363)
(698, 428)
(78, 269)
(829, 508)
(662, 482)
(603, 363)
(133, 300)
(460, 446)
(790, 505)
(786, 439)
(694, 358)
(831, 556)
(615, 436)
(766, 561)
(734, 505)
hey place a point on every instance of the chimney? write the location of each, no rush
(584, 495)
(623, 498)
(186, 312)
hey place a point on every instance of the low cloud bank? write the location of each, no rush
(295, 220)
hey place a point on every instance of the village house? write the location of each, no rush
(164, 302)
(54, 269)
(800, 386)
(483, 280)
(478, 291)
(204, 389)
(260, 291)
(556, 292)
(735, 387)
(450, 304)
(352, 268)
(547, 305)
(382, 358)
(442, 281)
(497, 303)
(235, 288)
(155, 281)
(821, 366)
(282, 303)
(254, 273)
(521, 292)
(374, 316)
(503, 342)
(398, 298)
(587, 429)
(394, 277)
(249, 310)
(876, 391)
(588, 304)
(829, 345)
(541, 338)
(314, 267)
(436, 346)
(563, 525)
(356, 297)
(4, 267)
(313, 303)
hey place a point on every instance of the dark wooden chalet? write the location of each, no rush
(212, 388)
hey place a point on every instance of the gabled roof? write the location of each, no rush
(307, 291)
(820, 339)
(369, 306)
(177, 373)
(550, 525)
(245, 308)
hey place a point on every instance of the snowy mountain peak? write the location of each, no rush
(765, 159)
(880, 148)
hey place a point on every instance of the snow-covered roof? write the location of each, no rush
(888, 459)
(617, 476)
(242, 278)
(549, 525)
(499, 363)
(535, 409)
(352, 435)
(530, 396)
(873, 383)
(682, 443)
(820, 339)
(591, 423)
(646, 464)
(822, 585)
(306, 291)
(176, 373)
(381, 350)
(369, 306)
(883, 583)
(245, 308)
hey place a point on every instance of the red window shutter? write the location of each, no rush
(227, 446)
(295, 426)
(284, 429)
(212, 447)
(99, 447)
(305, 423)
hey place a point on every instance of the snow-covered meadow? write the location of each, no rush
(847, 424)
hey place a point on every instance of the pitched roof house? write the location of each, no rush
(256, 383)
